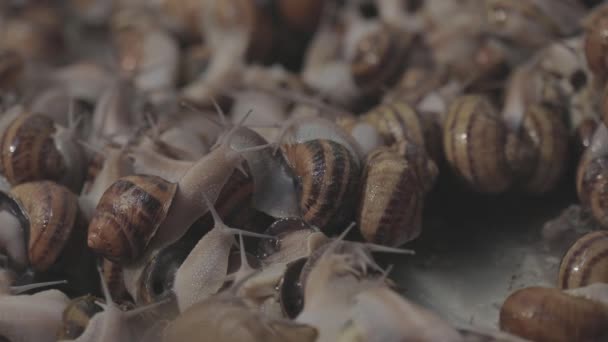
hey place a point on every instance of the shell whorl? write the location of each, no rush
(586, 262)
(128, 214)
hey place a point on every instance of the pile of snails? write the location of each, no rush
(229, 168)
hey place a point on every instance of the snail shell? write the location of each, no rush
(586, 262)
(397, 121)
(28, 151)
(549, 136)
(392, 197)
(128, 214)
(591, 178)
(77, 315)
(478, 146)
(327, 178)
(545, 314)
(379, 59)
(52, 213)
(596, 43)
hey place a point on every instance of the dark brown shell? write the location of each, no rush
(77, 315)
(128, 214)
(596, 41)
(397, 121)
(285, 228)
(392, 197)
(156, 281)
(586, 262)
(549, 136)
(52, 213)
(29, 152)
(478, 146)
(549, 315)
(379, 60)
(291, 292)
(584, 133)
(327, 180)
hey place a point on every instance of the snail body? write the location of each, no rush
(327, 175)
(544, 314)
(585, 262)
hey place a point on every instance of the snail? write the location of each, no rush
(545, 314)
(585, 262)
(595, 42)
(590, 179)
(327, 177)
(397, 121)
(146, 53)
(533, 23)
(128, 215)
(54, 231)
(114, 324)
(203, 271)
(393, 194)
(379, 59)
(77, 315)
(479, 147)
(35, 148)
(112, 275)
(225, 317)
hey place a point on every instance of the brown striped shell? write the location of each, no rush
(549, 315)
(549, 137)
(586, 262)
(128, 214)
(478, 146)
(397, 121)
(596, 41)
(52, 213)
(28, 152)
(327, 178)
(77, 315)
(392, 197)
(379, 59)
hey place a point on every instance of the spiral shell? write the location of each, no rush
(28, 150)
(128, 214)
(549, 137)
(77, 315)
(397, 121)
(596, 41)
(586, 262)
(379, 59)
(545, 314)
(327, 178)
(52, 213)
(112, 274)
(392, 197)
(478, 146)
(592, 185)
